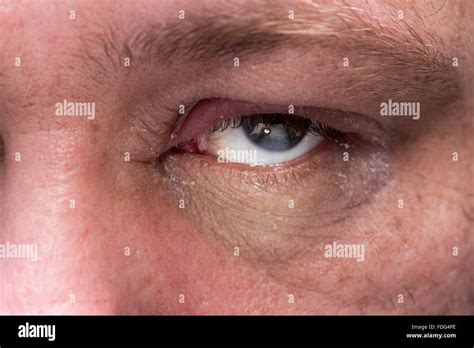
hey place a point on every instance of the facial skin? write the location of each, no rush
(422, 250)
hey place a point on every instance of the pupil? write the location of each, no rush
(279, 133)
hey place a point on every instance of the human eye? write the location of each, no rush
(275, 147)
(262, 135)
(263, 139)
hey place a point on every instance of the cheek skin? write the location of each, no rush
(127, 206)
(180, 255)
(399, 260)
(171, 256)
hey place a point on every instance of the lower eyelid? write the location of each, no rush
(331, 188)
(365, 160)
(270, 177)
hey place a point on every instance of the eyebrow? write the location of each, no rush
(212, 41)
(205, 39)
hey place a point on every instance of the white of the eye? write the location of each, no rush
(233, 146)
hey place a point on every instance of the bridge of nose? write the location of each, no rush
(54, 197)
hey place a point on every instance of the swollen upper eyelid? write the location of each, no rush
(207, 113)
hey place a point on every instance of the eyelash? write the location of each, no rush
(289, 121)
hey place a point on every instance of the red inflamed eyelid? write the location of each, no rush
(208, 112)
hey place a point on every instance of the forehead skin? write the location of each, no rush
(83, 250)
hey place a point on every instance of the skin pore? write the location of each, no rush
(157, 234)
